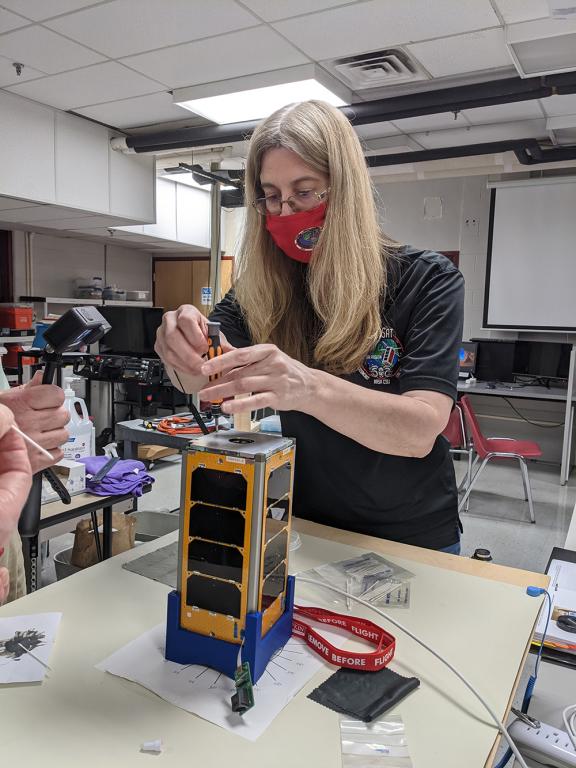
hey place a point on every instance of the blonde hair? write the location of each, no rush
(327, 315)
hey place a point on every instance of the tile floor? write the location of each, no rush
(498, 518)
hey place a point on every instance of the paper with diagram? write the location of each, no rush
(205, 692)
(22, 638)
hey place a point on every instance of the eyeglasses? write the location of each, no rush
(303, 200)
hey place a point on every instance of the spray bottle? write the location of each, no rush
(82, 440)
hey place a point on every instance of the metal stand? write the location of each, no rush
(29, 522)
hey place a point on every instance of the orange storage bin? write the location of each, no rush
(18, 317)
(10, 359)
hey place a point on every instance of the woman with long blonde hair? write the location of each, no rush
(351, 337)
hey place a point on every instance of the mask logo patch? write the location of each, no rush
(307, 239)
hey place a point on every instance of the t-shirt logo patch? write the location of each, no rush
(383, 363)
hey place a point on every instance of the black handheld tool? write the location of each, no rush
(215, 350)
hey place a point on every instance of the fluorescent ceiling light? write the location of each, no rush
(258, 103)
(255, 97)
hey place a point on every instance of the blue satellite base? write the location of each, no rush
(186, 647)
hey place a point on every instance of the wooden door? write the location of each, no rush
(226, 270)
(179, 281)
(173, 283)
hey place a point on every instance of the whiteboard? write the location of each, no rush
(531, 267)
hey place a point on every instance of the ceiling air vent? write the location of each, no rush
(378, 68)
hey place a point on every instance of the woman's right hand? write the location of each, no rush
(182, 344)
(182, 339)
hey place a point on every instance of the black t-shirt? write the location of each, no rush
(342, 483)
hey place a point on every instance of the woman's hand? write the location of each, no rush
(274, 379)
(15, 475)
(182, 340)
(39, 412)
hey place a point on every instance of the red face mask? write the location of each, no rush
(297, 235)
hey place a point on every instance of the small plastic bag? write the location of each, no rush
(370, 577)
(380, 744)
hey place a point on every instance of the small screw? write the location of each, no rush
(18, 67)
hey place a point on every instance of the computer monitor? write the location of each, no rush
(495, 361)
(542, 359)
(468, 354)
(133, 330)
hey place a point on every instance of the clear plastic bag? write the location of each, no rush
(370, 577)
(380, 744)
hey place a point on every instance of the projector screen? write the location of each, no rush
(531, 268)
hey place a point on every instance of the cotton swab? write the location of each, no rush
(29, 440)
(35, 657)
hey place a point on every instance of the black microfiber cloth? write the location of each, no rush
(363, 695)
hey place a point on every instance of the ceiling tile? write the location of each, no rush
(472, 52)
(125, 27)
(564, 104)
(131, 113)
(100, 83)
(379, 24)
(375, 130)
(38, 10)
(45, 50)
(482, 134)
(241, 53)
(522, 10)
(430, 122)
(502, 113)
(8, 74)
(285, 9)
(10, 21)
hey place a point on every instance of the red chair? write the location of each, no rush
(455, 433)
(488, 448)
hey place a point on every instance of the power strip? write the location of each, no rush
(547, 745)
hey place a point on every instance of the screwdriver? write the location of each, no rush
(215, 350)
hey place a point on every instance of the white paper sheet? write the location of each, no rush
(207, 693)
(37, 633)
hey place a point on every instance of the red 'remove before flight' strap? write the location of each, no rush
(361, 628)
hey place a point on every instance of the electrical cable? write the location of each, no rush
(501, 727)
(534, 423)
(195, 411)
(533, 592)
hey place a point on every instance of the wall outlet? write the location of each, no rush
(547, 745)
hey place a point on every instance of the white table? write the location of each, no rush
(476, 613)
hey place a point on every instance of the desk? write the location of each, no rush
(55, 513)
(80, 715)
(133, 433)
(533, 393)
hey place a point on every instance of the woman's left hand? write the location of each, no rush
(274, 379)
